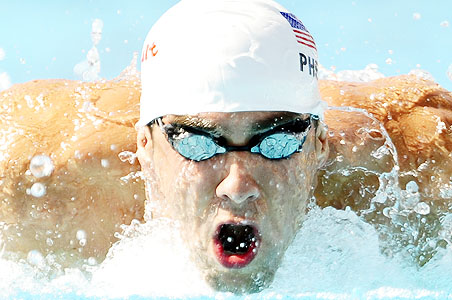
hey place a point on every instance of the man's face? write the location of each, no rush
(238, 211)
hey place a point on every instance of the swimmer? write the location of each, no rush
(231, 135)
(233, 152)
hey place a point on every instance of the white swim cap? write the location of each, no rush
(228, 56)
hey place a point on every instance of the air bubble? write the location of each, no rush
(41, 166)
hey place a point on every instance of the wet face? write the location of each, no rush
(238, 211)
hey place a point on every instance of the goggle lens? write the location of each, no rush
(278, 146)
(197, 147)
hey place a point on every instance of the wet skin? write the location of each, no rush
(233, 188)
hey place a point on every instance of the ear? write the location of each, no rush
(321, 143)
(145, 149)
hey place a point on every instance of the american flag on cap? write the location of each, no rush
(301, 33)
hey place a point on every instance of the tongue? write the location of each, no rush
(235, 245)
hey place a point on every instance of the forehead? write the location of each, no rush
(229, 122)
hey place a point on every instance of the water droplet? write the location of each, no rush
(80, 235)
(416, 16)
(388, 212)
(422, 208)
(104, 163)
(49, 242)
(41, 166)
(412, 187)
(444, 24)
(91, 261)
(35, 258)
(38, 190)
(127, 156)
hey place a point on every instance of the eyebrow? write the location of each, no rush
(259, 126)
(197, 123)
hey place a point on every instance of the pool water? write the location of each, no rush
(336, 255)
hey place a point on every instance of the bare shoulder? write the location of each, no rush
(417, 116)
(77, 193)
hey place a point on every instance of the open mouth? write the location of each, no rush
(235, 245)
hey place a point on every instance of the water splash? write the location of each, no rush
(449, 72)
(422, 74)
(131, 71)
(127, 156)
(369, 73)
(5, 81)
(89, 69)
(155, 261)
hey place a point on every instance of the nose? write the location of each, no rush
(238, 186)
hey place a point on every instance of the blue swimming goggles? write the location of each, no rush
(277, 143)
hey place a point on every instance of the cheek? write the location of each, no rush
(287, 187)
(188, 188)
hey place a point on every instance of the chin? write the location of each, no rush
(240, 281)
